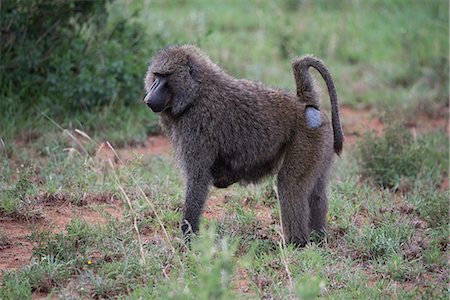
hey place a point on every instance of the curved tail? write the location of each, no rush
(306, 92)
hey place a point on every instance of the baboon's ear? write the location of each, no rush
(187, 89)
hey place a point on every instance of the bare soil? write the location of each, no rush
(17, 252)
(53, 216)
(154, 146)
(356, 123)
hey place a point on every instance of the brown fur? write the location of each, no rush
(227, 130)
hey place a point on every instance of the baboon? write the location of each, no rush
(228, 130)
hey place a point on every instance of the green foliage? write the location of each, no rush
(433, 207)
(206, 274)
(103, 69)
(15, 285)
(34, 32)
(394, 156)
(308, 287)
(380, 241)
(67, 57)
(15, 201)
(64, 50)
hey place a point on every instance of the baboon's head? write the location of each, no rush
(171, 82)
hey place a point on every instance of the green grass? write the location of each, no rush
(380, 243)
(375, 60)
(396, 158)
(373, 240)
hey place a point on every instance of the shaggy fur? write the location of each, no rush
(228, 130)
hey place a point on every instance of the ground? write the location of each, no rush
(54, 212)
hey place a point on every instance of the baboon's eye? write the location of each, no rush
(160, 75)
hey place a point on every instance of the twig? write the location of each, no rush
(152, 207)
(138, 234)
(64, 130)
(284, 257)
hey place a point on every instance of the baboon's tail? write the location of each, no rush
(305, 90)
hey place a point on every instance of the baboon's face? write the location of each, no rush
(159, 96)
(170, 82)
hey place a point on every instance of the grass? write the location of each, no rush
(376, 238)
(397, 158)
(383, 241)
(394, 63)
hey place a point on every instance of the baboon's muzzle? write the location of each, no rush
(159, 95)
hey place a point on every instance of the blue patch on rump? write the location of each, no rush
(313, 117)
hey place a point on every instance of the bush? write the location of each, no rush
(36, 32)
(68, 56)
(111, 69)
(390, 157)
(396, 158)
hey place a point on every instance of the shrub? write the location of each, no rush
(35, 32)
(110, 70)
(390, 157)
(68, 56)
(397, 157)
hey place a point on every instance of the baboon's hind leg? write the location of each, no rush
(318, 203)
(294, 189)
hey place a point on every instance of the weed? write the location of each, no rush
(391, 157)
(47, 273)
(15, 285)
(308, 287)
(384, 240)
(433, 207)
(15, 202)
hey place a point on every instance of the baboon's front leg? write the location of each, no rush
(196, 193)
